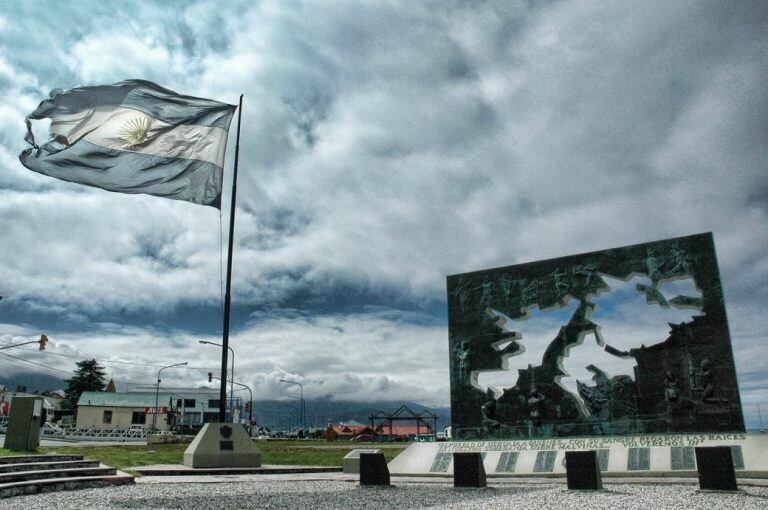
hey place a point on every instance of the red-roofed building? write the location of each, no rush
(346, 430)
(404, 432)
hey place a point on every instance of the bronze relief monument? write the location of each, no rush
(683, 381)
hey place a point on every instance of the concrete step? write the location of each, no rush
(8, 490)
(44, 466)
(16, 459)
(26, 476)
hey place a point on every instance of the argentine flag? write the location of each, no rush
(134, 137)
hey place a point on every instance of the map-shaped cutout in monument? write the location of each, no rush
(624, 341)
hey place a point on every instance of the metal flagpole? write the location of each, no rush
(228, 295)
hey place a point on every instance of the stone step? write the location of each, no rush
(25, 476)
(8, 490)
(43, 466)
(17, 459)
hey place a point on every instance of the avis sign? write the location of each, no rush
(156, 410)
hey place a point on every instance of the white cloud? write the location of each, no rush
(386, 145)
(350, 357)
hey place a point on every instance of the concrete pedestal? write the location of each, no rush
(351, 462)
(373, 469)
(583, 471)
(222, 445)
(715, 468)
(468, 470)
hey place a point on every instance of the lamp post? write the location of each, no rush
(157, 392)
(289, 422)
(249, 392)
(297, 416)
(301, 389)
(232, 375)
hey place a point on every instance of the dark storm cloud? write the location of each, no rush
(386, 144)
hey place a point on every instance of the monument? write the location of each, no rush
(624, 351)
(685, 382)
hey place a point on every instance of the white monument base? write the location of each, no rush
(642, 455)
(351, 463)
(222, 445)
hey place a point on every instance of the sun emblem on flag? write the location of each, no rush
(135, 132)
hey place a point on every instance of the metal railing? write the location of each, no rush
(106, 434)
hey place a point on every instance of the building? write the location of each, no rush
(108, 411)
(349, 429)
(51, 401)
(405, 433)
(197, 406)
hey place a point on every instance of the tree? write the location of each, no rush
(89, 376)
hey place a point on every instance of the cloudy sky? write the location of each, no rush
(385, 145)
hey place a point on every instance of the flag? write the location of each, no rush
(134, 137)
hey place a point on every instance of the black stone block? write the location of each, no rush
(583, 471)
(468, 470)
(715, 466)
(373, 469)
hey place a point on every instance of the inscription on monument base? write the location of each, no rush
(592, 443)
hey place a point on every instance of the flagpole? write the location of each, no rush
(228, 295)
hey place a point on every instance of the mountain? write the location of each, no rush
(280, 414)
(34, 381)
(277, 414)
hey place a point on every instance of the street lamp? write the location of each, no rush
(211, 376)
(289, 422)
(301, 389)
(232, 376)
(297, 416)
(157, 393)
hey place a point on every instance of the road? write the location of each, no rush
(48, 441)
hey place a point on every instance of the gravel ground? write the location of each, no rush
(334, 494)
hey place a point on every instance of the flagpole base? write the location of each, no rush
(222, 445)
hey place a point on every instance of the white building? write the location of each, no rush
(100, 410)
(196, 406)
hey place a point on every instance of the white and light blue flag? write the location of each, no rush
(134, 137)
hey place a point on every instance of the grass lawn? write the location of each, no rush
(299, 453)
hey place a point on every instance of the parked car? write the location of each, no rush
(363, 438)
(441, 436)
(135, 429)
(49, 429)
